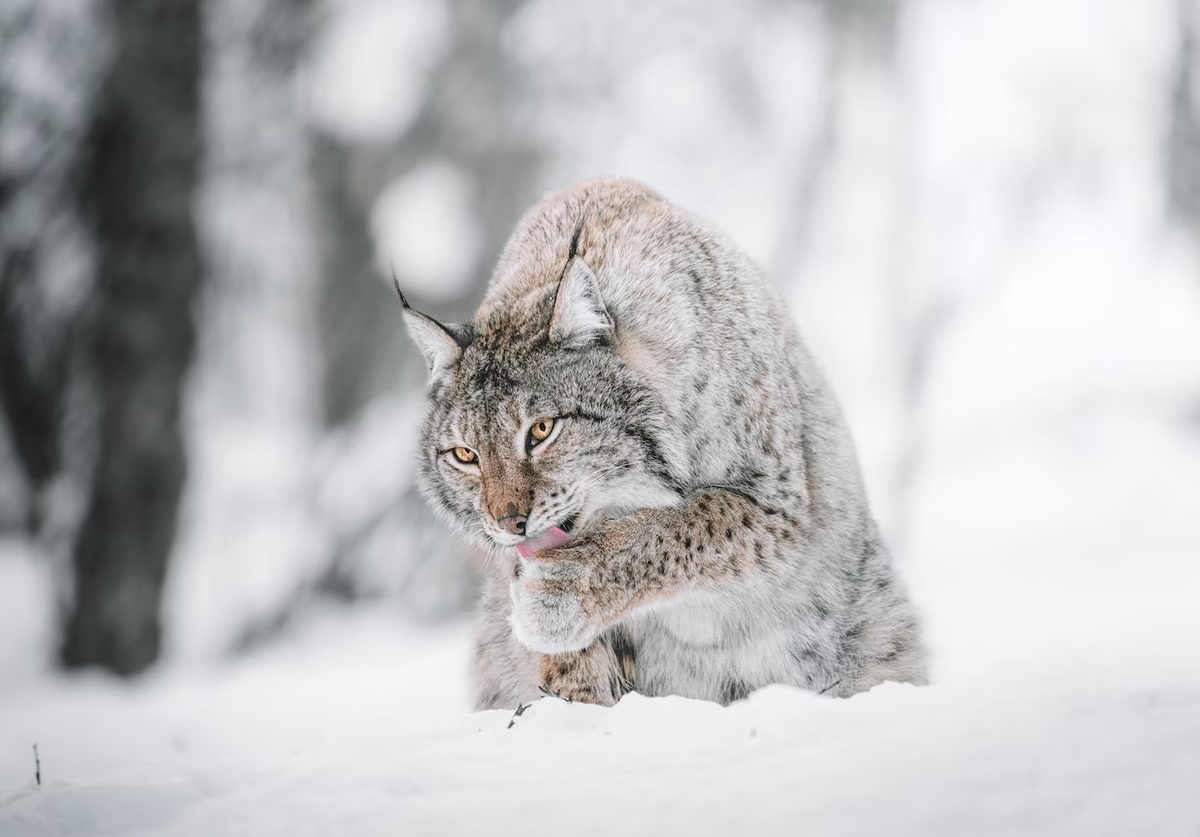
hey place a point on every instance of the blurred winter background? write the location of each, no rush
(984, 214)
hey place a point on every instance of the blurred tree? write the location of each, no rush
(1183, 131)
(854, 33)
(142, 163)
(470, 119)
(1181, 169)
(33, 375)
(49, 53)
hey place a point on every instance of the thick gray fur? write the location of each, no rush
(723, 538)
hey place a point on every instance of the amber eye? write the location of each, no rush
(465, 455)
(540, 432)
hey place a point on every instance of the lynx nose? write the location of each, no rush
(513, 522)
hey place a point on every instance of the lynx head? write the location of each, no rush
(533, 419)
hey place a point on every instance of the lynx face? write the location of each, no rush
(534, 421)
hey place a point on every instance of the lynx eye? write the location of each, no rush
(541, 430)
(465, 455)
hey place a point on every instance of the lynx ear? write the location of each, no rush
(580, 317)
(440, 344)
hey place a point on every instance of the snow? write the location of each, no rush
(25, 621)
(370, 747)
(1067, 701)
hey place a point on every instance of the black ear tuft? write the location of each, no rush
(574, 249)
(580, 318)
(400, 293)
(440, 344)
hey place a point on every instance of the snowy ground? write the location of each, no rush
(355, 730)
(1067, 702)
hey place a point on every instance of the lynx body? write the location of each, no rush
(632, 380)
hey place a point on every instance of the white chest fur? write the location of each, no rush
(694, 620)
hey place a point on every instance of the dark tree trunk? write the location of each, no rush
(1183, 128)
(356, 331)
(31, 397)
(142, 171)
(43, 261)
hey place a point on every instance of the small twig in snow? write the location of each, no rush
(556, 693)
(521, 707)
(37, 766)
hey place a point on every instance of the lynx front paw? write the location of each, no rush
(550, 607)
(588, 676)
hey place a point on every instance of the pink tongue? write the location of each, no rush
(551, 538)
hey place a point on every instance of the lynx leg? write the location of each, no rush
(600, 673)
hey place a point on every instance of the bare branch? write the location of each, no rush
(521, 707)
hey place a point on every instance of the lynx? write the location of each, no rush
(667, 488)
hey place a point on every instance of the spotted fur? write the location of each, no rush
(722, 538)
